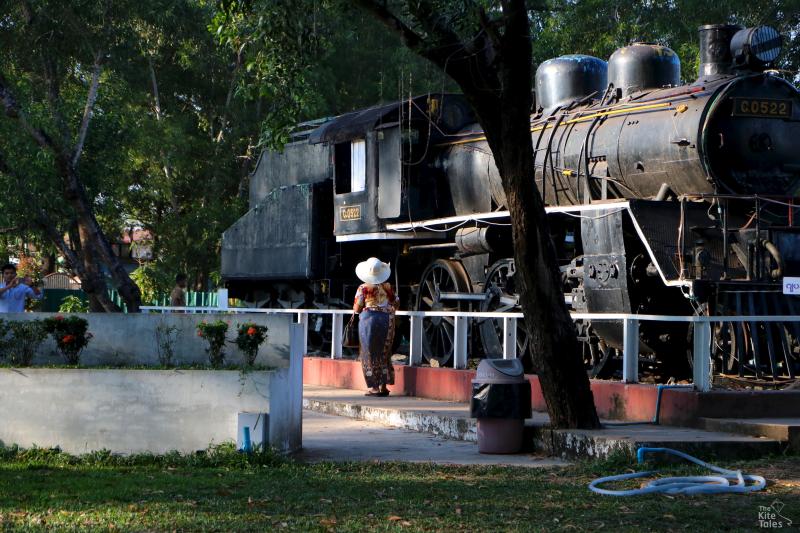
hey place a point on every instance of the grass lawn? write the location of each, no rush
(226, 491)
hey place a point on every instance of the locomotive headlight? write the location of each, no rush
(756, 47)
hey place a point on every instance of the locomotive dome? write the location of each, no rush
(642, 66)
(571, 77)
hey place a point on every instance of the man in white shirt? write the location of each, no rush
(14, 291)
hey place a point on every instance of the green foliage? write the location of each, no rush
(73, 304)
(5, 341)
(152, 280)
(219, 456)
(598, 27)
(249, 337)
(26, 337)
(71, 335)
(214, 333)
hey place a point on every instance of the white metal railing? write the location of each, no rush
(702, 368)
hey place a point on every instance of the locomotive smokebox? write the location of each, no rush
(564, 79)
(642, 66)
(715, 49)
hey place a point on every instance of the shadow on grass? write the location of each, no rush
(224, 490)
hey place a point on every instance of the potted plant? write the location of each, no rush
(248, 338)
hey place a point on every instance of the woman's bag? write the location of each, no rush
(350, 336)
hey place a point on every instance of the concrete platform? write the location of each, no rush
(783, 429)
(614, 400)
(341, 439)
(451, 420)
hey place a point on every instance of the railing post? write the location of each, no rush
(302, 318)
(222, 299)
(509, 338)
(415, 349)
(630, 351)
(701, 372)
(336, 338)
(460, 343)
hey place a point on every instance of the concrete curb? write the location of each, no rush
(443, 426)
(579, 444)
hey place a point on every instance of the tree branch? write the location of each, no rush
(379, 10)
(14, 111)
(88, 111)
(54, 98)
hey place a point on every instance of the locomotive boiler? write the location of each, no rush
(662, 197)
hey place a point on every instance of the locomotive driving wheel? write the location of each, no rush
(501, 296)
(439, 284)
(597, 355)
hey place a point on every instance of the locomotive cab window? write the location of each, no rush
(350, 166)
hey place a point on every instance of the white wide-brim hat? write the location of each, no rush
(373, 271)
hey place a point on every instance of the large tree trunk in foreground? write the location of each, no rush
(493, 69)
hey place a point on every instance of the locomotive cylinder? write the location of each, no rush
(472, 241)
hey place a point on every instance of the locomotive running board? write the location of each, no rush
(388, 236)
(571, 210)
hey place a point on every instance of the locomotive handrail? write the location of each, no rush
(460, 320)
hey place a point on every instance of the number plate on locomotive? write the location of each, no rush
(762, 107)
(350, 212)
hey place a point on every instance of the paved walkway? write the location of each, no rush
(451, 420)
(337, 438)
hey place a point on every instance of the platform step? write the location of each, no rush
(443, 424)
(626, 440)
(451, 420)
(786, 430)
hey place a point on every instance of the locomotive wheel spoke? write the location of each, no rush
(439, 332)
(499, 291)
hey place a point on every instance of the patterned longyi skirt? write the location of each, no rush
(376, 336)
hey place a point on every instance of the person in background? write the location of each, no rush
(177, 298)
(376, 302)
(14, 291)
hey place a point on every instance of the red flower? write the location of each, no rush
(66, 339)
(59, 318)
(251, 331)
(199, 333)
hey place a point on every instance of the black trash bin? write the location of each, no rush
(501, 401)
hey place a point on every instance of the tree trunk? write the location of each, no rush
(94, 241)
(493, 69)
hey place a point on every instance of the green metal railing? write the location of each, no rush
(54, 297)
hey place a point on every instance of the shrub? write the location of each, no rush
(165, 340)
(214, 334)
(5, 341)
(70, 334)
(73, 304)
(26, 336)
(248, 338)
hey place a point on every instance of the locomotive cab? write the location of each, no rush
(380, 163)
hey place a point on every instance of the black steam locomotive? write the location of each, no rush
(663, 198)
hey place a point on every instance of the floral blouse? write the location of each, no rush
(381, 297)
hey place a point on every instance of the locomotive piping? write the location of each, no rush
(585, 118)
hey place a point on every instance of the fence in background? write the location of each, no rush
(702, 367)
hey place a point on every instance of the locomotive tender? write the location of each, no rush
(662, 197)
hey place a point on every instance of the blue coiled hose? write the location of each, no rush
(729, 481)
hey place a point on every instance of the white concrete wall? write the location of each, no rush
(140, 410)
(130, 411)
(130, 340)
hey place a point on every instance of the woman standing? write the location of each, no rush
(377, 302)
